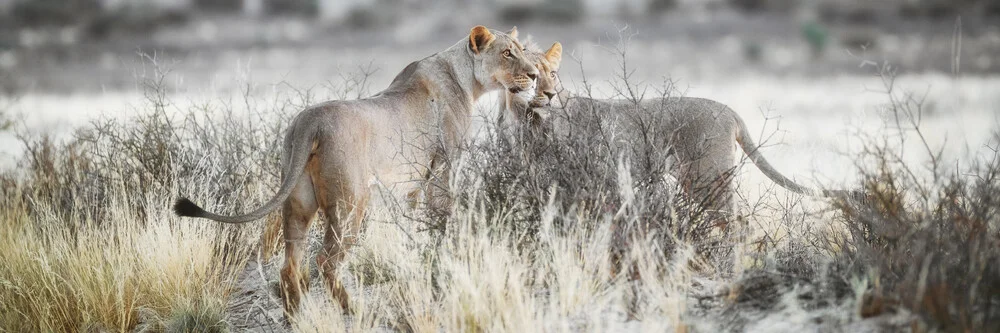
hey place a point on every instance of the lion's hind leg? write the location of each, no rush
(706, 175)
(297, 213)
(345, 217)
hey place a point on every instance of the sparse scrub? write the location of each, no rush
(89, 241)
(929, 237)
(922, 246)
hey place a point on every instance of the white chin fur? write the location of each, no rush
(525, 95)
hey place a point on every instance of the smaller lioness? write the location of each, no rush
(701, 132)
(334, 152)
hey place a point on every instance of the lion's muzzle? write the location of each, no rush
(540, 101)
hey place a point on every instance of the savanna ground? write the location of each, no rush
(567, 238)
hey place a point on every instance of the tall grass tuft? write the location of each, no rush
(88, 241)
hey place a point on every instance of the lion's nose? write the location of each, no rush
(550, 94)
(533, 75)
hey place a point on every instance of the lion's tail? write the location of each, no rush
(299, 151)
(750, 148)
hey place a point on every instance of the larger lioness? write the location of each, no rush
(701, 132)
(334, 151)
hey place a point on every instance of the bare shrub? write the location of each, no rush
(924, 241)
(929, 237)
(88, 238)
(162, 147)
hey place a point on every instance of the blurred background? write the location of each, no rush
(73, 45)
(811, 62)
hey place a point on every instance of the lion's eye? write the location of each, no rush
(506, 53)
(552, 74)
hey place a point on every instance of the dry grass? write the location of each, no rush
(68, 274)
(88, 242)
(477, 279)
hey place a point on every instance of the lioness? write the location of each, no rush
(700, 132)
(334, 151)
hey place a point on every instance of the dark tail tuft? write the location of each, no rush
(184, 207)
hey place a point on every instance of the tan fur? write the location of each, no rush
(700, 131)
(335, 151)
(548, 85)
(554, 54)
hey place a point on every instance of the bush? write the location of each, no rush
(931, 249)
(88, 237)
(929, 240)
(924, 242)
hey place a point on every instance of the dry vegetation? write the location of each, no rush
(572, 233)
(87, 243)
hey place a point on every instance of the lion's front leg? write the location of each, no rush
(437, 189)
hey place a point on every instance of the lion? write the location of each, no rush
(700, 133)
(335, 151)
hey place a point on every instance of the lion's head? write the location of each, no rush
(529, 106)
(547, 64)
(500, 62)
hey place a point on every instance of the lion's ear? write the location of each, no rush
(513, 32)
(480, 38)
(554, 54)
